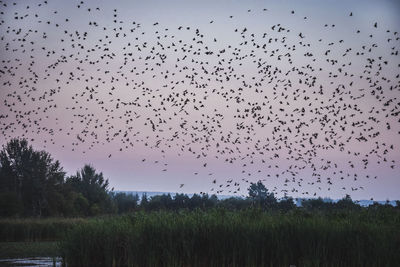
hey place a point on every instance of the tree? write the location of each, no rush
(234, 203)
(195, 202)
(286, 203)
(144, 201)
(346, 203)
(315, 204)
(32, 175)
(94, 188)
(125, 202)
(10, 204)
(260, 196)
(181, 201)
(209, 201)
(159, 202)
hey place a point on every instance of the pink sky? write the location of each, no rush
(81, 88)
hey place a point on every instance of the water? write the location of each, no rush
(31, 262)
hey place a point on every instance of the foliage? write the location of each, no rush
(18, 250)
(218, 237)
(260, 196)
(10, 204)
(32, 175)
(125, 202)
(33, 230)
(32, 184)
(93, 188)
(286, 204)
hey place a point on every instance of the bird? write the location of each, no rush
(271, 96)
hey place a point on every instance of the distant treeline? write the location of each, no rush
(33, 184)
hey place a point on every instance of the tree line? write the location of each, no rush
(33, 184)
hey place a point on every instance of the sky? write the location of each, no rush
(209, 96)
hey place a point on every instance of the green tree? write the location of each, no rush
(195, 202)
(76, 204)
(144, 201)
(234, 203)
(315, 204)
(94, 188)
(10, 204)
(125, 202)
(346, 203)
(181, 201)
(159, 202)
(260, 196)
(286, 203)
(32, 175)
(209, 201)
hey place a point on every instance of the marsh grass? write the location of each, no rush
(226, 238)
(15, 250)
(31, 230)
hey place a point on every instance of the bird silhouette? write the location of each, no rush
(273, 102)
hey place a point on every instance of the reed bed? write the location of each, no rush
(18, 250)
(32, 229)
(226, 238)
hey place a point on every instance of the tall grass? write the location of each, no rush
(50, 229)
(223, 238)
(15, 250)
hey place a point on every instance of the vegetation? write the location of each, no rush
(31, 230)
(242, 238)
(32, 184)
(303, 236)
(119, 229)
(15, 250)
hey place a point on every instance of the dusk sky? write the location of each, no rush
(209, 96)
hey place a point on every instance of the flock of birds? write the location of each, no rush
(273, 100)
